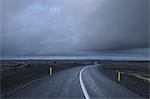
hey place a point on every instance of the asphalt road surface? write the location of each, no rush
(75, 83)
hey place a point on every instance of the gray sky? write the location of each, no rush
(42, 27)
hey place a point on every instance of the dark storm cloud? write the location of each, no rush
(42, 27)
(118, 25)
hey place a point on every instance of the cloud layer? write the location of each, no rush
(43, 27)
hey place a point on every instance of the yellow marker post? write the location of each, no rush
(119, 75)
(50, 71)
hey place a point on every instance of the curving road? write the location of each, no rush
(75, 83)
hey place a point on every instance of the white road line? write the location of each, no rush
(82, 84)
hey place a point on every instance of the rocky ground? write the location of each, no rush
(135, 76)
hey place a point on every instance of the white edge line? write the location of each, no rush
(82, 84)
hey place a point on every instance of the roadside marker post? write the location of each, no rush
(119, 76)
(50, 71)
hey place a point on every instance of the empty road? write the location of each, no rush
(75, 83)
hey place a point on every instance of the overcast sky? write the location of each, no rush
(42, 27)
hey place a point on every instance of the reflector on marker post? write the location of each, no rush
(50, 71)
(118, 75)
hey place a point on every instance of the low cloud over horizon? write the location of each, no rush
(42, 27)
